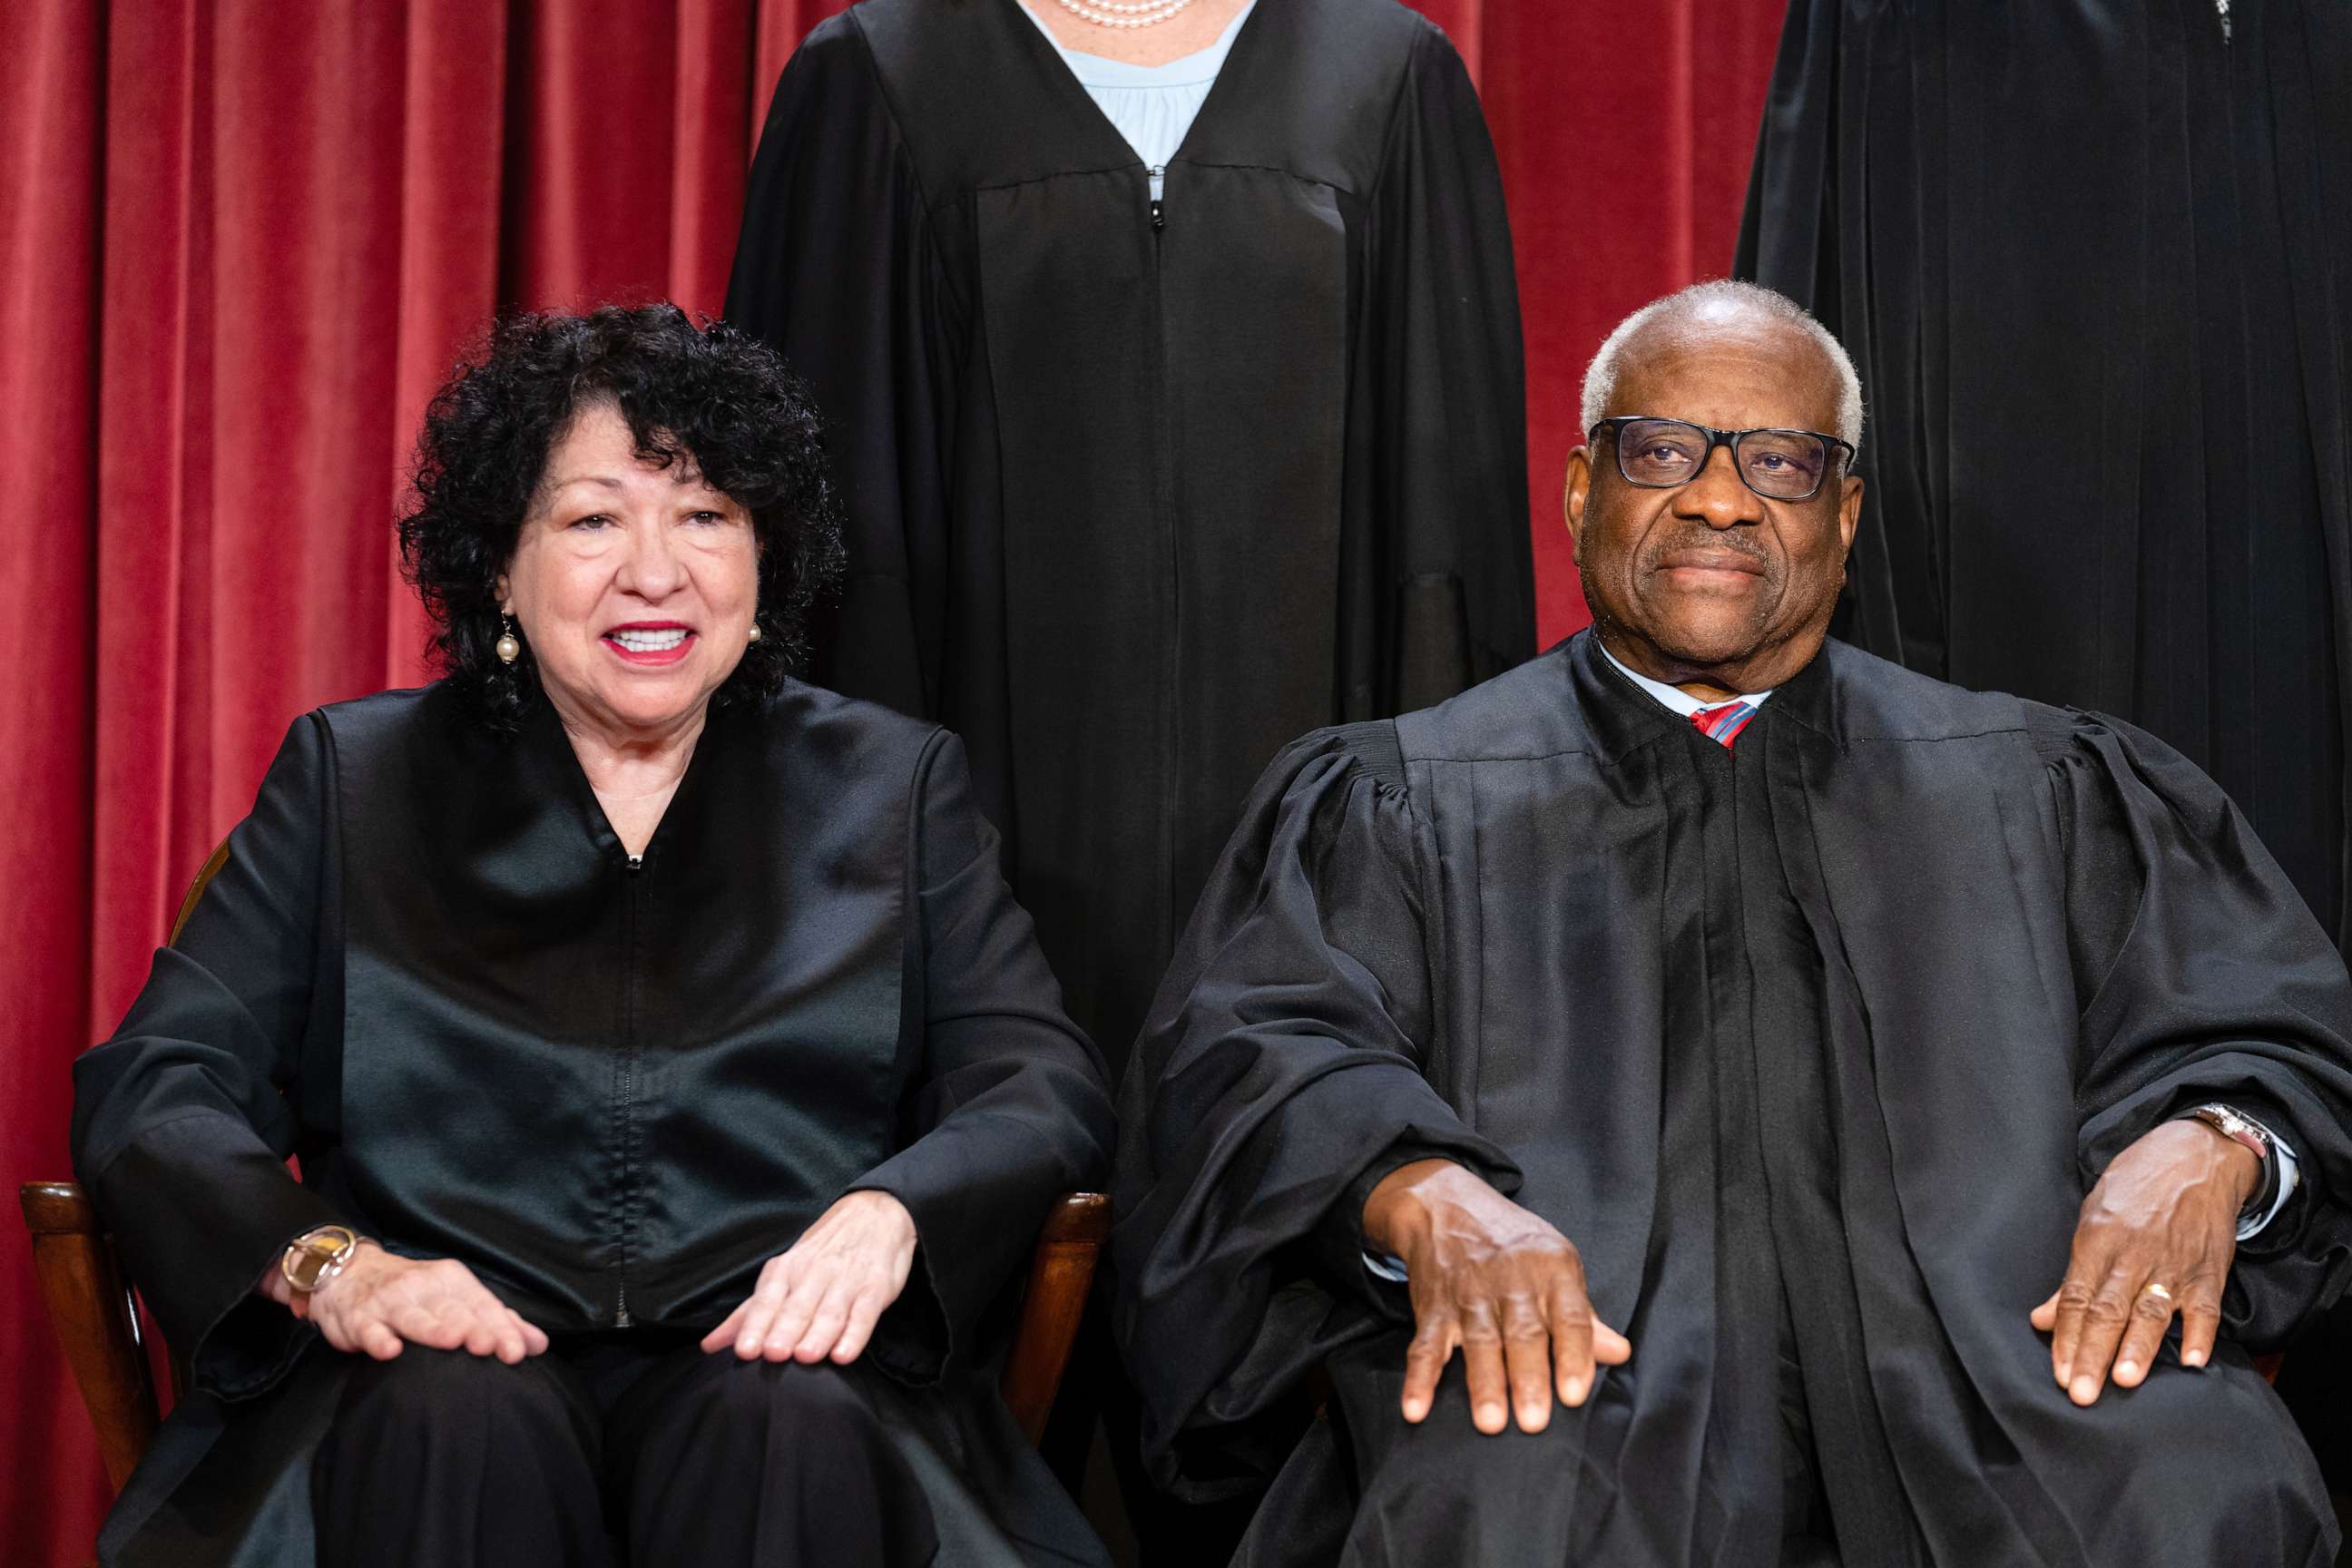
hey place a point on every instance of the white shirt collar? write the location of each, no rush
(1673, 698)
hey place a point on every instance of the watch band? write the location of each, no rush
(2238, 1128)
(316, 1257)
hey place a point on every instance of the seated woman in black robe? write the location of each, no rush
(675, 1083)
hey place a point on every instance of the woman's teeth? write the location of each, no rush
(650, 642)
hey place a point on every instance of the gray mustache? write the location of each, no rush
(1712, 541)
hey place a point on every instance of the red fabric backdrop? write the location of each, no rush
(241, 240)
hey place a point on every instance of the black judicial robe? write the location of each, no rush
(1135, 499)
(1849, 1018)
(2095, 264)
(429, 971)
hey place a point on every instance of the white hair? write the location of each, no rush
(1719, 299)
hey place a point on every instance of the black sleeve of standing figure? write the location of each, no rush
(183, 1121)
(2203, 977)
(1444, 362)
(836, 268)
(1011, 1108)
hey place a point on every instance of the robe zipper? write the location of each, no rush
(628, 1083)
(1172, 666)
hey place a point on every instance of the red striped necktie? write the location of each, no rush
(1723, 723)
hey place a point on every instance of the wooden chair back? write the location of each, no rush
(96, 1319)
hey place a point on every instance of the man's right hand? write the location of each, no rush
(1498, 1282)
(381, 1299)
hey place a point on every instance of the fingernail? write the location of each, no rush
(2085, 1389)
(1490, 1414)
(2127, 1369)
(2194, 1358)
(1574, 1391)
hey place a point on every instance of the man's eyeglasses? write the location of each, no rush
(1778, 465)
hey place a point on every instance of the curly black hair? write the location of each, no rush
(702, 394)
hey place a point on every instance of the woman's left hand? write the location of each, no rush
(822, 1296)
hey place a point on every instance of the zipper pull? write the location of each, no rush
(636, 862)
(1159, 208)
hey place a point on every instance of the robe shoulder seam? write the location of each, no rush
(1257, 165)
(918, 777)
(1591, 750)
(1405, 80)
(1372, 745)
(1027, 179)
(1928, 740)
(1523, 756)
(902, 146)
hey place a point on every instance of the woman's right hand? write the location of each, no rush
(381, 1300)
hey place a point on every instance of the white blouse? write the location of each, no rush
(1152, 106)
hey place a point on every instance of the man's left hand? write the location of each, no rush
(821, 1297)
(2156, 1237)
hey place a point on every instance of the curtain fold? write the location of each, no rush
(241, 242)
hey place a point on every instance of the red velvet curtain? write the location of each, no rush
(240, 241)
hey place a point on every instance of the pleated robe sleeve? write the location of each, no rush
(1011, 1107)
(838, 268)
(1283, 1056)
(1443, 368)
(2204, 978)
(184, 1120)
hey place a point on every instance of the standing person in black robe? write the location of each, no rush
(677, 1088)
(1874, 1069)
(1143, 483)
(2134, 223)
(1149, 463)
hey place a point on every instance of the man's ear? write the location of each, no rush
(1578, 491)
(1849, 514)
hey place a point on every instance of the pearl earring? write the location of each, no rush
(508, 647)
(754, 634)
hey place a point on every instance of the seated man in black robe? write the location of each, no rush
(1806, 1095)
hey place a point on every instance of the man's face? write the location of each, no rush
(1709, 583)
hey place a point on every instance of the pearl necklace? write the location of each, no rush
(1124, 13)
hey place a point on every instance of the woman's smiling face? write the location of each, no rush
(634, 584)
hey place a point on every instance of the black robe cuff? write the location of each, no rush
(198, 1267)
(1340, 1243)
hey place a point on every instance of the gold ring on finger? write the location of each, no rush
(2152, 1289)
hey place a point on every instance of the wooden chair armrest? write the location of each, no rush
(1061, 1272)
(95, 1321)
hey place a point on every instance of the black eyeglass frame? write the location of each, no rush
(1615, 425)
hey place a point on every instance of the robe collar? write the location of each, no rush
(1620, 717)
(1674, 699)
(532, 784)
(1308, 87)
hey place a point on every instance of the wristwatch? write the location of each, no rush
(316, 1257)
(2240, 1127)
